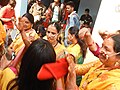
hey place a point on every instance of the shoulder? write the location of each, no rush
(4, 8)
(76, 47)
(34, 5)
(74, 15)
(61, 46)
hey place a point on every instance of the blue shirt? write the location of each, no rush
(73, 20)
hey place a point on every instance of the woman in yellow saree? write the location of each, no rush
(53, 33)
(78, 48)
(103, 74)
(10, 73)
(28, 21)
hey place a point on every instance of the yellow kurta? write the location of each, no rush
(101, 79)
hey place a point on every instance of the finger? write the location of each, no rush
(70, 58)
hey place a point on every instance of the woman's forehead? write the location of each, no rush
(108, 41)
(51, 27)
(25, 19)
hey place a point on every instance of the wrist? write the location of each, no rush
(74, 88)
(91, 44)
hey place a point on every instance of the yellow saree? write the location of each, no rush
(60, 51)
(101, 79)
(5, 76)
(2, 32)
(75, 50)
(18, 43)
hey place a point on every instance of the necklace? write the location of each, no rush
(55, 45)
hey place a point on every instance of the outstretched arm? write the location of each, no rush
(85, 34)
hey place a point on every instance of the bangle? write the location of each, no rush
(91, 44)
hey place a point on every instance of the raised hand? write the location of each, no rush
(20, 24)
(71, 77)
(84, 32)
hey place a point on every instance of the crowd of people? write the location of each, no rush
(49, 47)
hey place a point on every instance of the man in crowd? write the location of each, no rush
(72, 20)
(37, 10)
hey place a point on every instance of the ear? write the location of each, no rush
(32, 25)
(72, 8)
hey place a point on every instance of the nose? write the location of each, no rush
(67, 10)
(102, 51)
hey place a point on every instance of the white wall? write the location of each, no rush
(21, 7)
(108, 18)
(93, 5)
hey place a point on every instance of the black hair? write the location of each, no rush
(87, 10)
(2, 22)
(29, 17)
(116, 39)
(74, 30)
(12, 3)
(71, 3)
(39, 52)
(56, 25)
(41, 29)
